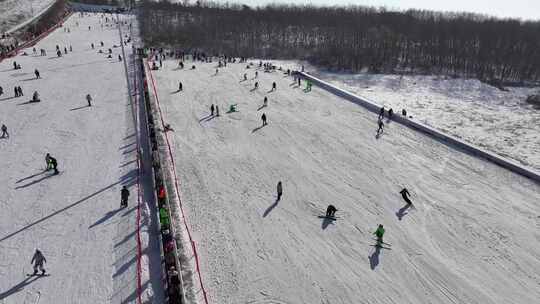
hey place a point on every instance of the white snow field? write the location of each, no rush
(472, 237)
(74, 218)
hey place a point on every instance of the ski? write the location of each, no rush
(379, 246)
(383, 243)
(37, 275)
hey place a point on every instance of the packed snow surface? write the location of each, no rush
(15, 12)
(73, 218)
(471, 237)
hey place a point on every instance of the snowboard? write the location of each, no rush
(37, 275)
(333, 218)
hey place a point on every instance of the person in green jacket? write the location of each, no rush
(379, 233)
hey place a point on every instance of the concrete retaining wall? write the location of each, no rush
(373, 107)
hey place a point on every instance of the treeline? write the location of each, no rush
(352, 38)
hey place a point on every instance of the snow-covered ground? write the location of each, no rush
(501, 122)
(472, 237)
(15, 12)
(74, 218)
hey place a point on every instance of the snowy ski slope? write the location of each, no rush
(73, 218)
(472, 237)
(15, 12)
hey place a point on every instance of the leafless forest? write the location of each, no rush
(352, 38)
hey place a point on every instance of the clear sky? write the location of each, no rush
(524, 9)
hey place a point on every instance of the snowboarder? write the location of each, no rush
(89, 99)
(212, 110)
(274, 86)
(263, 118)
(179, 86)
(4, 131)
(36, 72)
(54, 165)
(48, 162)
(379, 233)
(38, 259)
(124, 194)
(279, 191)
(330, 211)
(405, 194)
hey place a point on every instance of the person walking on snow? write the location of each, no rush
(331, 211)
(256, 84)
(217, 111)
(265, 102)
(38, 260)
(89, 99)
(124, 194)
(381, 113)
(36, 72)
(180, 87)
(279, 191)
(405, 194)
(381, 127)
(48, 162)
(263, 118)
(274, 85)
(212, 110)
(379, 233)
(4, 131)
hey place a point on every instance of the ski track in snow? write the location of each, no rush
(472, 236)
(74, 218)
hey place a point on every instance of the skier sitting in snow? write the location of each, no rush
(330, 211)
(35, 97)
(38, 259)
(379, 233)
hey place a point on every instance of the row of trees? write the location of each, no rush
(352, 38)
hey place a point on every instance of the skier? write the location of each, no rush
(265, 102)
(70, 48)
(37, 73)
(217, 71)
(58, 53)
(92, 45)
(4, 131)
(404, 112)
(381, 127)
(54, 165)
(245, 76)
(20, 91)
(101, 42)
(217, 111)
(256, 74)
(274, 86)
(48, 162)
(179, 86)
(124, 194)
(390, 113)
(381, 113)
(330, 211)
(89, 99)
(38, 259)
(65, 50)
(119, 58)
(212, 110)
(16, 91)
(405, 193)
(263, 117)
(299, 83)
(1, 91)
(279, 191)
(256, 84)
(379, 233)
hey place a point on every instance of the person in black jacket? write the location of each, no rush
(124, 194)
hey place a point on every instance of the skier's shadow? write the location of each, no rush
(270, 208)
(326, 221)
(34, 182)
(402, 212)
(257, 129)
(83, 107)
(107, 216)
(18, 287)
(374, 258)
(206, 118)
(261, 107)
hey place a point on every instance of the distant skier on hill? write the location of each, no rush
(279, 191)
(38, 260)
(274, 86)
(89, 99)
(36, 72)
(381, 113)
(256, 85)
(265, 102)
(54, 165)
(263, 118)
(330, 211)
(212, 110)
(381, 127)
(405, 193)
(379, 233)
(48, 162)
(4, 131)
(180, 86)
(124, 195)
